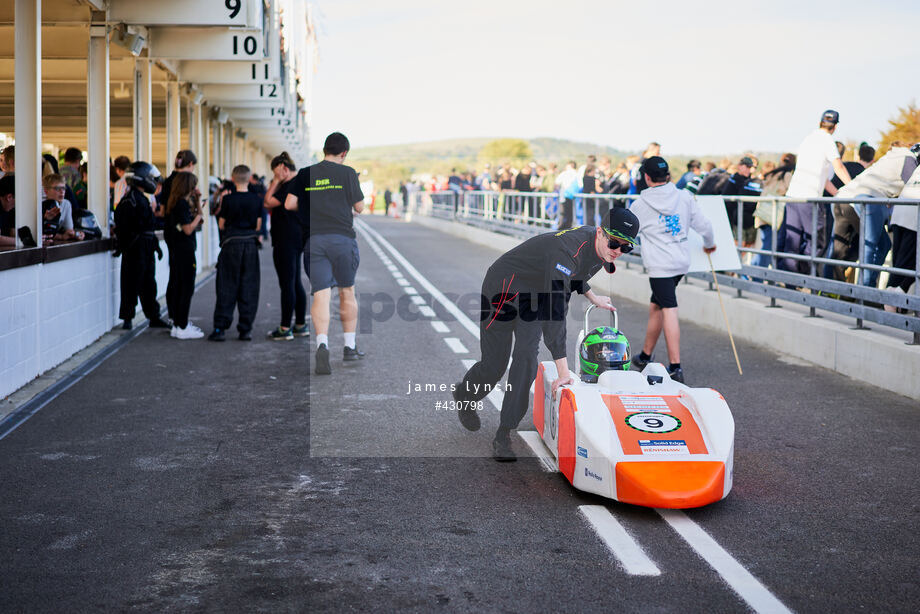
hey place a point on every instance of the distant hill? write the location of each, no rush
(466, 151)
(387, 165)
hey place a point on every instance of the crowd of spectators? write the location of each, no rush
(815, 169)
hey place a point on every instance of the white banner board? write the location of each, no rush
(725, 258)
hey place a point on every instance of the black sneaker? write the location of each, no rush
(677, 375)
(245, 335)
(159, 323)
(322, 361)
(352, 354)
(126, 325)
(640, 364)
(469, 417)
(217, 335)
(501, 447)
(301, 330)
(281, 334)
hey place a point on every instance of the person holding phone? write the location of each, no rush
(183, 215)
(57, 212)
(287, 251)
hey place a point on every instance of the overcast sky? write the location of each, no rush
(699, 77)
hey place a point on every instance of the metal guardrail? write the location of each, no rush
(524, 214)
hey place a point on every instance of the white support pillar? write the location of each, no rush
(97, 122)
(143, 122)
(218, 151)
(229, 162)
(193, 125)
(173, 127)
(28, 120)
(195, 128)
(203, 176)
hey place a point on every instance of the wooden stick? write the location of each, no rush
(722, 305)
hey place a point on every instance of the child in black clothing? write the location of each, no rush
(240, 220)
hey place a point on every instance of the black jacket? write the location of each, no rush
(739, 185)
(133, 217)
(544, 270)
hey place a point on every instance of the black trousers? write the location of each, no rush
(566, 221)
(495, 342)
(904, 256)
(181, 286)
(238, 282)
(590, 209)
(138, 279)
(286, 256)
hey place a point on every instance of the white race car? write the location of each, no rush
(639, 438)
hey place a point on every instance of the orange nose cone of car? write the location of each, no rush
(675, 485)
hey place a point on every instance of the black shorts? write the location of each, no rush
(664, 290)
(333, 261)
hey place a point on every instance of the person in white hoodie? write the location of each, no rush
(665, 216)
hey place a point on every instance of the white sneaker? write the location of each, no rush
(172, 333)
(195, 328)
(189, 332)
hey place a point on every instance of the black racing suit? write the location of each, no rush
(134, 224)
(525, 294)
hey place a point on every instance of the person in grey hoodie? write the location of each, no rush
(665, 216)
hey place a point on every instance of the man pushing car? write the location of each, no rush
(525, 294)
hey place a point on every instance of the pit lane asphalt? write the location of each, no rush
(181, 476)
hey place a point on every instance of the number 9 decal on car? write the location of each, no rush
(649, 422)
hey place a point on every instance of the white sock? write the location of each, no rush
(350, 340)
(322, 340)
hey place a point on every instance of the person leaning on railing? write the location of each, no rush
(884, 179)
(775, 183)
(904, 232)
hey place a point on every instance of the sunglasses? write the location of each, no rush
(624, 248)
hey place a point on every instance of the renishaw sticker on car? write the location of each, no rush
(654, 425)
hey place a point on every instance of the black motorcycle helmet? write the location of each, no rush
(143, 176)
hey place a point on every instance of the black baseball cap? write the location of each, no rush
(831, 116)
(746, 161)
(656, 168)
(621, 224)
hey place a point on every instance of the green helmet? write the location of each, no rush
(603, 349)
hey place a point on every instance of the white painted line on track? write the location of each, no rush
(630, 555)
(456, 345)
(440, 327)
(418, 300)
(451, 308)
(410, 290)
(738, 578)
(467, 363)
(428, 312)
(535, 442)
(402, 281)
